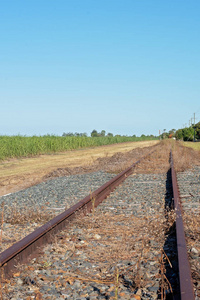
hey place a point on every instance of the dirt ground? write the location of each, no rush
(17, 174)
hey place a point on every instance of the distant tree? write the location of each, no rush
(83, 134)
(164, 134)
(94, 133)
(188, 134)
(67, 134)
(197, 130)
(103, 132)
(185, 134)
(74, 134)
(109, 134)
(179, 134)
(172, 131)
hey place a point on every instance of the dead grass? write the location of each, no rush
(157, 162)
(15, 224)
(16, 174)
(195, 146)
(123, 240)
(192, 231)
(22, 173)
(27, 215)
(114, 164)
(184, 157)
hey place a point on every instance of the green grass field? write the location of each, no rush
(23, 146)
(195, 146)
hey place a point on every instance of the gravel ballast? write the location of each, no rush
(117, 249)
(26, 210)
(189, 187)
(60, 192)
(125, 247)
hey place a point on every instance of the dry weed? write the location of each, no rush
(123, 240)
(165, 284)
(2, 221)
(27, 215)
(157, 162)
(192, 231)
(184, 157)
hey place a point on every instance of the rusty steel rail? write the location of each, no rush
(32, 243)
(185, 277)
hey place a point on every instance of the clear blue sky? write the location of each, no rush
(124, 66)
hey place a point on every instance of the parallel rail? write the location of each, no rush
(32, 243)
(185, 277)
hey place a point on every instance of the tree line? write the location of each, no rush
(103, 133)
(185, 134)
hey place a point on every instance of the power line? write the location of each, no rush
(198, 111)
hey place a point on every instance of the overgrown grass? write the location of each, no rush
(185, 157)
(23, 146)
(195, 146)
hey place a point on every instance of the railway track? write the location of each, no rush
(124, 249)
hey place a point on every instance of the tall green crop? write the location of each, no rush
(23, 146)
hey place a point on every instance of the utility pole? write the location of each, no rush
(194, 127)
